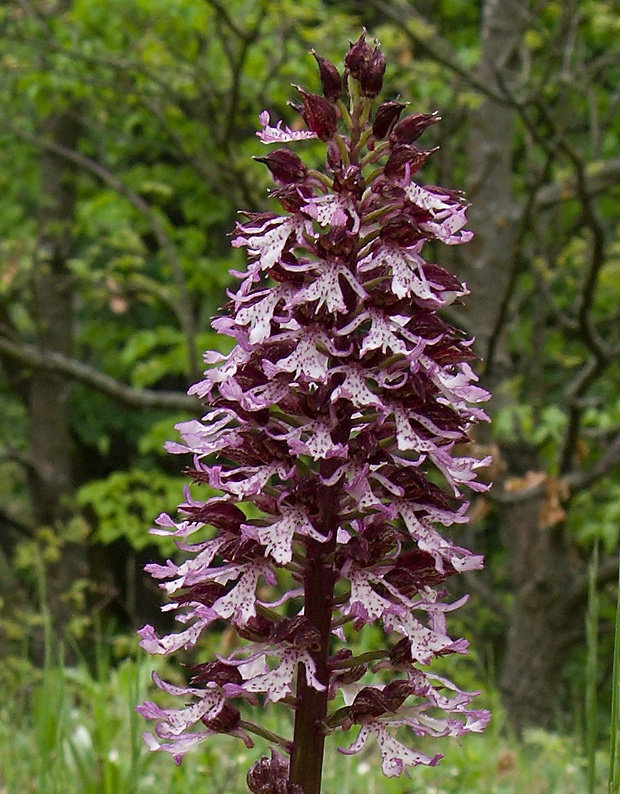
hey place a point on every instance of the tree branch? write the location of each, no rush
(583, 481)
(486, 595)
(517, 497)
(555, 143)
(16, 456)
(597, 178)
(134, 398)
(607, 572)
(424, 35)
(184, 311)
(516, 265)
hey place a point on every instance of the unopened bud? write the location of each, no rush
(402, 231)
(218, 672)
(225, 721)
(257, 629)
(296, 631)
(334, 156)
(369, 704)
(292, 197)
(411, 127)
(350, 180)
(331, 82)
(270, 776)
(358, 57)
(396, 692)
(386, 117)
(401, 653)
(285, 166)
(338, 242)
(320, 114)
(299, 109)
(401, 155)
(372, 74)
(350, 675)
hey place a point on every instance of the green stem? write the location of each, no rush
(272, 737)
(342, 146)
(320, 177)
(270, 614)
(369, 237)
(375, 154)
(376, 214)
(363, 658)
(346, 116)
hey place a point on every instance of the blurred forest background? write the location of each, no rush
(126, 135)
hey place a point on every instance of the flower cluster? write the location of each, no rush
(330, 435)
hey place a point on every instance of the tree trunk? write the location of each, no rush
(51, 477)
(542, 569)
(494, 212)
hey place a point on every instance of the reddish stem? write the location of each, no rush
(309, 736)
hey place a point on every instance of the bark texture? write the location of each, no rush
(494, 213)
(541, 563)
(546, 576)
(51, 475)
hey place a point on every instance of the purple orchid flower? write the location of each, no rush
(327, 429)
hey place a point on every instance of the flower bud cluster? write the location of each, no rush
(331, 437)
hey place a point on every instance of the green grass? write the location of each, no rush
(73, 730)
(591, 705)
(613, 781)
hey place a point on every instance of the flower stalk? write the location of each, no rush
(330, 438)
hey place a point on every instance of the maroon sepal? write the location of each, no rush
(331, 82)
(372, 75)
(285, 166)
(320, 115)
(386, 117)
(411, 127)
(358, 57)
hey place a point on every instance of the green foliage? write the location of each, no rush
(126, 502)
(75, 730)
(545, 430)
(595, 515)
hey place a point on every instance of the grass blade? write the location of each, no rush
(591, 715)
(614, 782)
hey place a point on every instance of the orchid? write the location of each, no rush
(333, 436)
